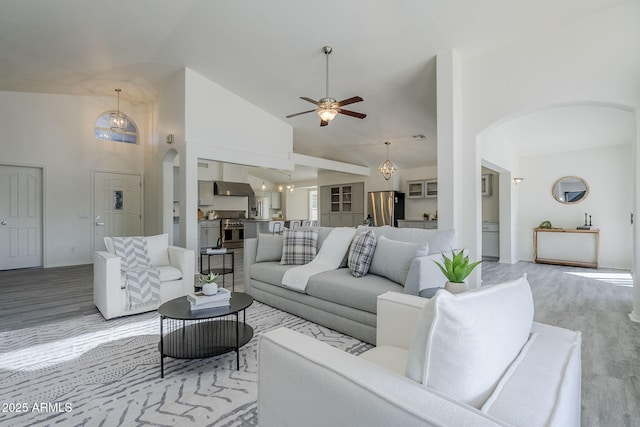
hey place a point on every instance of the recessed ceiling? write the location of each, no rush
(270, 53)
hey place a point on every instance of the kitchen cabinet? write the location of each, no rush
(205, 193)
(426, 188)
(417, 223)
(274, 196)
(490, 240)
(486, 185)
(415, 189)
(342, 205)
(209, 233)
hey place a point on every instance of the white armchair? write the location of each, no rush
(176, 267)
(303, 381)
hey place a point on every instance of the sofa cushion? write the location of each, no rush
(389, 357)
(299, 247)
(439, 240)
(269, 247)
(490, 326)
(542, 386)
(169, 273)
(392, 258)
(158, 249)
(269, 272)
(340, 287)
(361, 253)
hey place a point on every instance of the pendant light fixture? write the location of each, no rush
(118, 122)
(387, 169)
(290, 186)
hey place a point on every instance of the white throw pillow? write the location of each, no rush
(392, 258)
(463, 344)
(158, 249)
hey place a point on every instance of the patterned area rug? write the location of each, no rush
(90, 371)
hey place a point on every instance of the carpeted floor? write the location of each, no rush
(88, 371)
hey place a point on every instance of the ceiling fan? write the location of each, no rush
(328, 107)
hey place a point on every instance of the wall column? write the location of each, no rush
(635, 263)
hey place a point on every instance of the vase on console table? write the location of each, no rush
(455, 288)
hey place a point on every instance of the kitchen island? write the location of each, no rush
(252, 227)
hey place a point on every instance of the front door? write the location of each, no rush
(20, 217)
(117, 206)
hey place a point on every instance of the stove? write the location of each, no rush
(231, 228)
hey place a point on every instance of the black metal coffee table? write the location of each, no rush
(203, 333)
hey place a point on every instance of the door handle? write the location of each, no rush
(3, 222)
(99, 223)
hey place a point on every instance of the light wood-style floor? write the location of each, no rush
(596, 302)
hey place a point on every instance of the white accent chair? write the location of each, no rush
(176, 266)
(299, 375)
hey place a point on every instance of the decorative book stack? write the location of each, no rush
(216, 251)
(200, 301)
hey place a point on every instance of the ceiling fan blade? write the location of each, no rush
(352, 100)
(297, 114)
(310, 100)
(352, 113)
(323, 122)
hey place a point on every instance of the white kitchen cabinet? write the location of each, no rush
(426, 188)
(205, 193)
(415, 189)
(275, 199)
(417, 223)
(490, 240)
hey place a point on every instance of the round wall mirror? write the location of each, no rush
(570, 189)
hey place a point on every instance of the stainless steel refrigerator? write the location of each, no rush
(386, 207)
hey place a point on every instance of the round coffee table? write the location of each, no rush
(203, 333)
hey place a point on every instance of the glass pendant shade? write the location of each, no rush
(387, 169)
(117, 121)
(327, 114)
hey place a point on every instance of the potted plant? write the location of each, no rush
(456, 269)
(209, 286)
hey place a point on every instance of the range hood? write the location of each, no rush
(225, 188)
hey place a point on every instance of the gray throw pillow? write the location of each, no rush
(361, 253)
(299, 247)
(392, 258)
(269, 247)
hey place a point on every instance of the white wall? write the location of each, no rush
(609, 201)
(573, 64)
(297, 202)
(56, 132)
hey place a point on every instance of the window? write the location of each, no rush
(313, 204)
(102, 131)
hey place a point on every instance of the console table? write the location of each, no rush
(566, 246)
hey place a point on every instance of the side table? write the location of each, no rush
(224, 270)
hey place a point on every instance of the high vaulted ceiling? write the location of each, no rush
(270, 53)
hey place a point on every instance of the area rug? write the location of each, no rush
(89, 371)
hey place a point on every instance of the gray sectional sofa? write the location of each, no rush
(335, 298)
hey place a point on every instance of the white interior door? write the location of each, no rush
(20, 217)
(117, 206)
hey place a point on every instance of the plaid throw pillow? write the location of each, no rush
(361, 253)
(299, 247)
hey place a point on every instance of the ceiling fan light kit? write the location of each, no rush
(387, 169)
(329, 108)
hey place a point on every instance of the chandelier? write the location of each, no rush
(387, 169)
(118, 122)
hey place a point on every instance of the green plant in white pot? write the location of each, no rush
(456, 269)
(209, 286)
